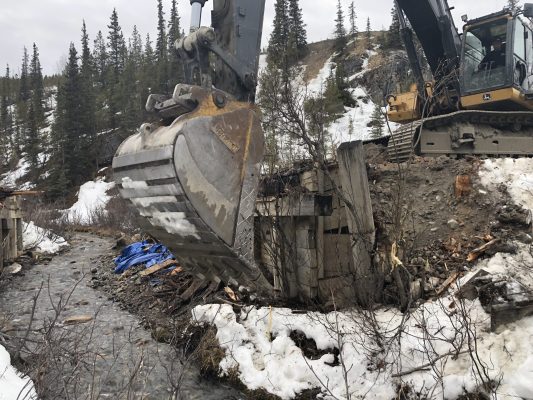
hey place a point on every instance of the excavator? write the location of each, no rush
(480, 100)
(193, 175)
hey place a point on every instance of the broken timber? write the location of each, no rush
(10, 228)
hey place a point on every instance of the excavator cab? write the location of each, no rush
(496, 62)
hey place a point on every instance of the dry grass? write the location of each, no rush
(319, 53)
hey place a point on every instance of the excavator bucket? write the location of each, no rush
(194, 183)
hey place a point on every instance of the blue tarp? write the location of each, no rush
(141, 253)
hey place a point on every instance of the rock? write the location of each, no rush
(162, 334)
(453, 224)
(94, 270)
(524, 238)
(14, 269)
(502, 247)
(513, 214)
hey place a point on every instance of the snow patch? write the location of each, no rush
(92, 198)
(13, 385)
(41, 240)
(515, 174)
(9, 179)
(281, 368)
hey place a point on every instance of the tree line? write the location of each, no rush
(61, 130)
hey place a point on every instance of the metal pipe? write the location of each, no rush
(196, 14)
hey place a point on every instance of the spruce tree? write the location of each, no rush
(297, 32)
(65, 170)
(353, 17)
(161, 49)
(368, 35)
(116, 46)
(394, 40)
(6, 122)
(377, 122)
(100, 58)
(32, 141)
(88, 123)
(24, 84)
(340, 30)
(117, 52)
(279, 38)
(174, 34)
(37, 87)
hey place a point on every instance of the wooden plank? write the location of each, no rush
(451, 279)
(354, 181)
(300, 205)
(158, 267)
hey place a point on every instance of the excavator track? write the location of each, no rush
(476, 132)
(400, 147)
(194, 184)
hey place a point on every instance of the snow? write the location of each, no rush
(515, 174)
(92, 198)
(280, 367)
(41, 240)
(316, 86)
(10, 178)
(13, 386)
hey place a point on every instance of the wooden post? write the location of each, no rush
(368, 280)
(1, 245)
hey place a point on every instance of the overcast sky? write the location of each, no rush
(53, 24)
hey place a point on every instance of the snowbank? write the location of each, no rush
(281, 368)
(41, 240)
(92, 198)
(515, 174)
(12, 385)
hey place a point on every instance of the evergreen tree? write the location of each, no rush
(174, 27)
(148, 69)
(24, 85)
(100, 58)
(377, 122)
(353, 17)
(279, 38)
(65, 170)
(88, 123)
(135, 53)
(6, 122)
(368, 35)
(117, 53)
(393, 38)
(340, 30)
(32, 141)
(116, 46)
(161, 49)
(37, 88)
(297, 34)
(174, 34)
